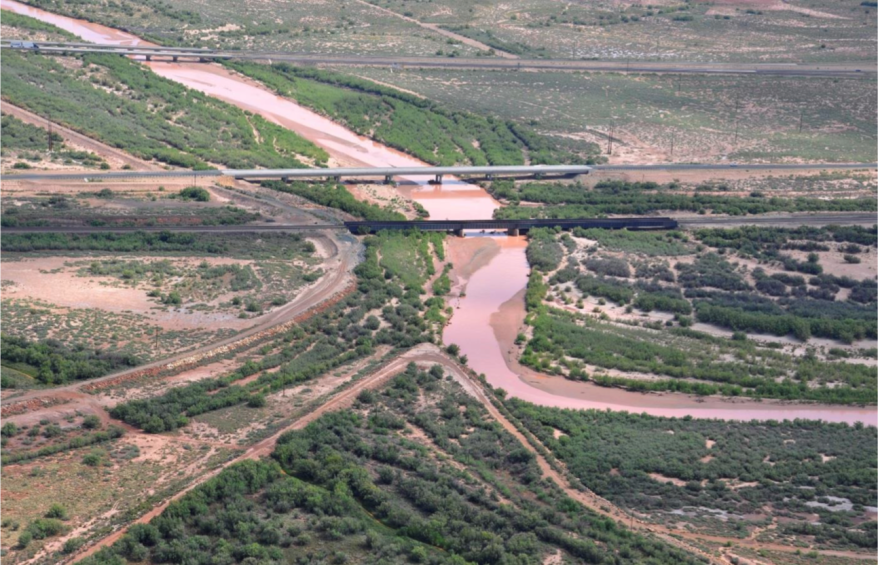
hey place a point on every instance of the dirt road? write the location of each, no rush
(445, 33)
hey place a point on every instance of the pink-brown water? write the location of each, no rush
(488, 288)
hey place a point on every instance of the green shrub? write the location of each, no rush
(195, 193)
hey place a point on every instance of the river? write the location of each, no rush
(491, 269)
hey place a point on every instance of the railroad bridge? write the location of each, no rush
(513, 227)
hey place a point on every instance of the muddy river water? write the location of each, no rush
(491, 269)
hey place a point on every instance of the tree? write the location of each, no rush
(56, 511)
(9, 429)
(195, 193)
(256, 401)
(91, 422)
(372, 323)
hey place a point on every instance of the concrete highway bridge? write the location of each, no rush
(388, 173)
(206, 55)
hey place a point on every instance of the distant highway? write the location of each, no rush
(817, 219)
(199, 54)
(389, 172)
(238, 228)
(780, 220)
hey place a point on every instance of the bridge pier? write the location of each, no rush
(149, 57)
(388, 179)
(202, 60)
(438, 179)
(174, 58)
(336, 178)
(490, 176)
(512, 231)
(539, 176)
(458, 232)
(285, 179)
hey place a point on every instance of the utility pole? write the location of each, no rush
(611, 137)
(49, 124)
(736, 119)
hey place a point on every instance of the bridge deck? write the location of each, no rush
(430, 171)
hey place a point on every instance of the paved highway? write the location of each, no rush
(241, 228)
(190, 54)
(426, 171)
(782, 220)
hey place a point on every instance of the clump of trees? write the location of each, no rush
(195, 193)
(710, 270)
(251, 246)
(334, 195)
(51, 362)
(76, 442)
(788, 462)
(354, 481)
(622, 198)
(544, 252)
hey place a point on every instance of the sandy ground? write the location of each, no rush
(468, 255)
(35, 280)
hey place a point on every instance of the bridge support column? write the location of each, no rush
(202, 60)
(149, 57)
(512, 231)
(438, 179)
(490, 176)
(459, 232)
(539, 175)
(336, 178)
(285, 179)
(174, 58)
(388, 179)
